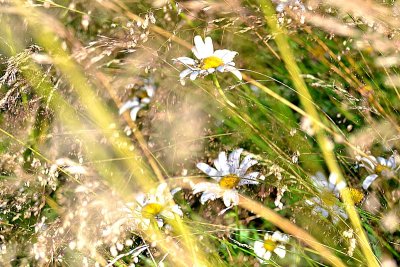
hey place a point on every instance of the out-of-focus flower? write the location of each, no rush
(328, 191)
(272, 243)
(155, 206)
(377, 167)
(141, 99)
(281, 5)
(208, 61)
(229, 173)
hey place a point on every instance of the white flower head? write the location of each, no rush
(155, 206)
(328, 190)
(272, 243)
(141, 99)
(377, 167)
(208, 61)
(229, 173)
(281, 5)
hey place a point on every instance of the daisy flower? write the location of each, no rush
(155, 207)
(272, 243)
(208, 61)
(229, 173)
(377, 167)
(141, 99)
(325, 203)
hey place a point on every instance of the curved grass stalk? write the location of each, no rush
(323, 141)
(289, 228)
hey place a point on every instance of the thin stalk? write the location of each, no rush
(324, 142)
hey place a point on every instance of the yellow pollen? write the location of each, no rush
(269, 245)
(380, 168)
(229, 181)
(151, 210)
(211, 62)
(356, 195)
(328, 198)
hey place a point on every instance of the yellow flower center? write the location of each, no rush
(270, 245)
(229, 181)
(356, 195)
(211, 62)
(151, 210)
(381, 168)
(328, 198)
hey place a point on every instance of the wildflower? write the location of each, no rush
(155, 207)
(229, 173)
(272, 243)
(141, 99)
(283, 4)
(328, 190)
(208, 60)
(377, 167)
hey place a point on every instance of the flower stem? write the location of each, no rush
(221, 92)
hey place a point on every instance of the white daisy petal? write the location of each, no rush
(234, 71)
(267, 255)
(368, 180)
(391, 162)
(259, 249)
(200, 48)
(280, 251)
(186, 60)
(223, 163)
(194, 75)
(226, 55)
(233, 160)
(207, 196)
(209, 48)
(231, 198)
(381, 161)
(210, 171)
(250, 178)
(128, 105)
(134, 113)
(185, 73)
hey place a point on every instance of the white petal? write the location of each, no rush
(322, 211)
(134, 113)
(208, 196)
(381, 161)
(319, 180)
(201, 50)
(391, 162)
(177, 210)
(227, 56)
(233, 160)
(235, 72)
(278, 236)
(210, 171)
(194, 75)
(223, 163)
(128, 105)
(259, 249)
(250, 178)
(209, 46)
(267, 255)
(368, 180)
(186, 60)
(185, 73)
(231, 198)
(246, 163)
(371, 161)
(280, 251)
